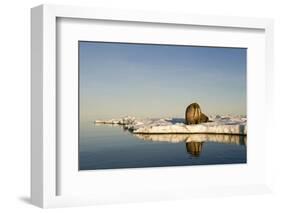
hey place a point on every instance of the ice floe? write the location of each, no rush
(217, 125)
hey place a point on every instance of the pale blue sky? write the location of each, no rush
(159, 80)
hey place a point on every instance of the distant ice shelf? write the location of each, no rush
(236, 125)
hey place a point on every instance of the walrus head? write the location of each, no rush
(193, 114)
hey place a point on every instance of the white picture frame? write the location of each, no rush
(44, 148)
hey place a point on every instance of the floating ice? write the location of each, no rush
(217, 125)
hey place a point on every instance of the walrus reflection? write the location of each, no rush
(194, 148)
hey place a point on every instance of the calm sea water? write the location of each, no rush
(110, 147)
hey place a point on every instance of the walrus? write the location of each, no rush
(193, 115)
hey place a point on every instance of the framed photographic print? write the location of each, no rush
(132, 106)
(158, 84)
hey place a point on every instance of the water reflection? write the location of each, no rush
(108, 147)
(188, 138)
(194, 142)
(194, 148)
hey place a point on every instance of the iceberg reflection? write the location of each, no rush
(194, 142)
(188, 138)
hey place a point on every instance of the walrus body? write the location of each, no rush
(193, 115)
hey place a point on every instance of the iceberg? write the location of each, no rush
(234, 125)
